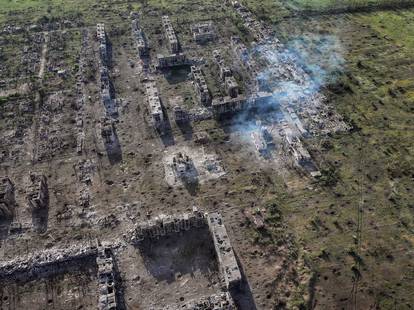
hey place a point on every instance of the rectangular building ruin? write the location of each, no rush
(7, 198)
(170, 35)
(37, 192)
(203, 32)
(154, 105)
(108, 131)
(172, 60)
(141, 42)
(106, 280)
(225, 254)
(164, 225)
(200, 85)
(107, 94)
(103, 48)
(180, 115)
(230, 84)
(228, 106)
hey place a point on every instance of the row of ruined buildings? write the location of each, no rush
(37, 195)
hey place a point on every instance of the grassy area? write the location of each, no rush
(374, 163)
(347, 4)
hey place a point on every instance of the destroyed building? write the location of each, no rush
(154, 105)
(184, 168)
(141, 42)
(172, 60)
(175, 57)
(37, 194)
(228, 106)
(224, 250)
(226, 75)
(164, 225)
(106, 278)
(107, 131)
(170, 35)
(107, 93)
(7, 198)
(296, 148)
(203, 32)
(222, 301)
(180, 115)
(103, 48)
(232, 87)
(200, 85)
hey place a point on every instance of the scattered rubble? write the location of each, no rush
(7, 198)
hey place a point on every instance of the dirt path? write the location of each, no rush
(43, 57)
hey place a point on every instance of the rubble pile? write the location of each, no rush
(184, 168)
(37, 193)
(7, 198)
(47, 261)
(85, 170)
(222, 301)
(80, 92)
(51, 141)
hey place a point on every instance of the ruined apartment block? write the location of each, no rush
(170, 35)
(141, 42)
(164, 225)
(106, 280)
(103, 48)
(176, 57)
(37, 192)
(108, 131)
(225, 254)
(7, 198)
(203, 32)
(173, 60)
(107, 97)
(200, 85)
(154, 105)
(228, 106)
(180, 115)
(258, 30)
